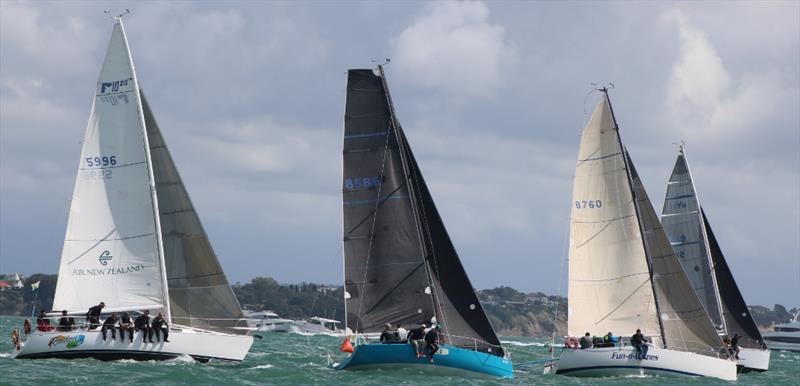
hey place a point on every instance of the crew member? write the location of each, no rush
(402, 333)
(42, 322)
(388, 336)
(586, 341)
(638, 340)
(160, 326)
(735, 346)
(432, 342)
(416, 337)
(93, 316)
(126, 324)
(142, 323)
(110, 324)
(66, 323)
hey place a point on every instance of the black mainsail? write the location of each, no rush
(400, 265)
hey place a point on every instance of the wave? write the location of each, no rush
(267, 366)
(524, 344)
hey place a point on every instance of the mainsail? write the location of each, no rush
(111, 247)
(691, 236)
(623, 274)
(400, 266)
(682, 222)
(199, 293)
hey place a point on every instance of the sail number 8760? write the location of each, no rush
(591, 204)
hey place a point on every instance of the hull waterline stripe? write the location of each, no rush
(560, 371)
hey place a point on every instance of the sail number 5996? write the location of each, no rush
(591, 204)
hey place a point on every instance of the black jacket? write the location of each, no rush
(142, 321)
(159, 322)
(94, 312)
(110, 321)
(432, 337)
(416, 333)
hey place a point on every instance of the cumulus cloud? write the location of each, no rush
(454, 47)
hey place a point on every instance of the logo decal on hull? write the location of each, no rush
(633, 356)
(71, 341)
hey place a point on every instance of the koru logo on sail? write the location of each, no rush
(105, 257)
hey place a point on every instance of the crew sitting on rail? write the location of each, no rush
(66, 323)
(415, 337)
(586, 341)
(43, 323)
(93, 315)
(142, 323)
(388, 335)
(126, 324)
(110, 324)
(160, 327)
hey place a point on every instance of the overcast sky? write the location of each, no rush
(493, 97)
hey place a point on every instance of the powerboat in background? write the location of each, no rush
(785, 336)
(267, 321)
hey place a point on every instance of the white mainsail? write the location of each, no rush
(112, 247)
(623, 273)
(609, 279)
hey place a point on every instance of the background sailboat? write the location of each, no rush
(133, 238)
(623, 274)
(400, 265)
(690, 234)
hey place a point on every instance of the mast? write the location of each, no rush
(710, 261)
(150, 174)
(395, 125)
(624, 151)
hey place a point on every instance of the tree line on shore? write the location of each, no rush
(511, 312)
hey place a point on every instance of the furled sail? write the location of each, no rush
(738, 319)
(684, 321)
(681, 220)
(386, 279)
(199, 293)
(609, 279)
(111, 251)
(400, 266)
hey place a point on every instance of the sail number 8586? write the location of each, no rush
(591, 204)
(362, 182)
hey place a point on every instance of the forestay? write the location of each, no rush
(111, 248)
(682, 222)
(609, 278)
(199, 293)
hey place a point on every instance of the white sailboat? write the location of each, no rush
(624, 276)
(690, 234)
(134, 240)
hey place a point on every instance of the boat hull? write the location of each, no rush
(449, 360)
(199, 344)
(623, 361)
(751, 359)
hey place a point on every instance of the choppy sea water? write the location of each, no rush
(290, 359)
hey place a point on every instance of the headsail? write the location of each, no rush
(400, 266)
(738, 319)
(684, 321)
(199, 293)
(609, 278)
(682, 222)
(111, 247)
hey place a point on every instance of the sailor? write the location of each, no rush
(416, 337)
(110, 324)
(93, 316)
(126, 324)
(388, 336)
(16, 339)
(734, 350)
(142, 323)
(160, 326)
(432, 341)
(608, 340)
(42, 323)
(402, 333)
(638, 340)
(66, 323)
(586, 341)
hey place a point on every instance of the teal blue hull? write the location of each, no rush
(449, 360)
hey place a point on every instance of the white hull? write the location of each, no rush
(199, 344)
(751, 359)
(622, 361)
